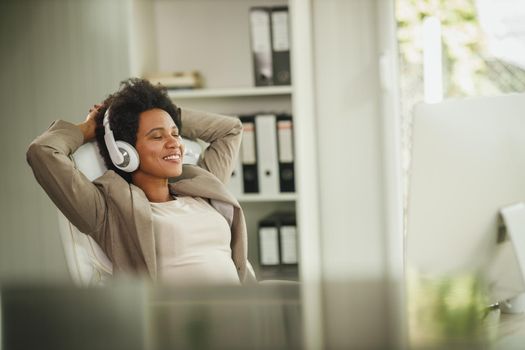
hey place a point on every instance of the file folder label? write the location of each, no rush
(260, 31)
(248, 144)
(261, 42)
(268, 246)
(280, 31)
(288, 245)
(280, 46)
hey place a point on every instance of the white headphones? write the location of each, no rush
(123, 155)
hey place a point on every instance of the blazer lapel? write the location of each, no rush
(201, 183)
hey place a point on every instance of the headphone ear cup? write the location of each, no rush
(131, 157)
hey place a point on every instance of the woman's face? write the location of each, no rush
(159, 145)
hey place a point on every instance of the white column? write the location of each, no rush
(307, 166)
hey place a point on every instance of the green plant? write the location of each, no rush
(447, 309)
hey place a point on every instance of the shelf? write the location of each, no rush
(231, 92)
(283, 197)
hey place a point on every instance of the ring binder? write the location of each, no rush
(280, 46)
(261, 43)
(268, 167)
(250, 175)
(286, 153)
(278, 239)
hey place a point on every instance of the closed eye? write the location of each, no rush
(160, 137)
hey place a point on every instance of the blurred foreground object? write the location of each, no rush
(132, 315)
(450, 311)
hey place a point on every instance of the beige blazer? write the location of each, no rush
(118, 215)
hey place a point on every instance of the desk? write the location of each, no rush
(511, 332)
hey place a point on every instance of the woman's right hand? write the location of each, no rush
(88, 126)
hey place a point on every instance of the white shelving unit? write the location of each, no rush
(224, 59)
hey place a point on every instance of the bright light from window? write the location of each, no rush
(432, 62)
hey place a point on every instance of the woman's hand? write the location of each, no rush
(88, 126)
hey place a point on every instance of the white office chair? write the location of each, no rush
(87, 263)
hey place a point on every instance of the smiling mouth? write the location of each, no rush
(172, 158)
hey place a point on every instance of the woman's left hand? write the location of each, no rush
(88, 126)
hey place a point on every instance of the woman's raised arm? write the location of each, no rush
(48, 155)
(224, 135)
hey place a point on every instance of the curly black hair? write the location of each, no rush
(133, 97)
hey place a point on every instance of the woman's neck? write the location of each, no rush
(155, 189)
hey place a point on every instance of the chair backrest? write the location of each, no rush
(87, 263)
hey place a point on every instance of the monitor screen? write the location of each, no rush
(468, 162)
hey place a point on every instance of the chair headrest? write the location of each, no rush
(88, 160)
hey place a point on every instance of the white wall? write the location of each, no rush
(58, 58)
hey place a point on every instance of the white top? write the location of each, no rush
(192, 242)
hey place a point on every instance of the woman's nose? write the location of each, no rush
(174, 141)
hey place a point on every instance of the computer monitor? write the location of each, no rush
(468, 162)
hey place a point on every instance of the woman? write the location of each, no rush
(191, 230)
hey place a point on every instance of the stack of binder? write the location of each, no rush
(277, 238)
(270, 44)
(266, 161)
